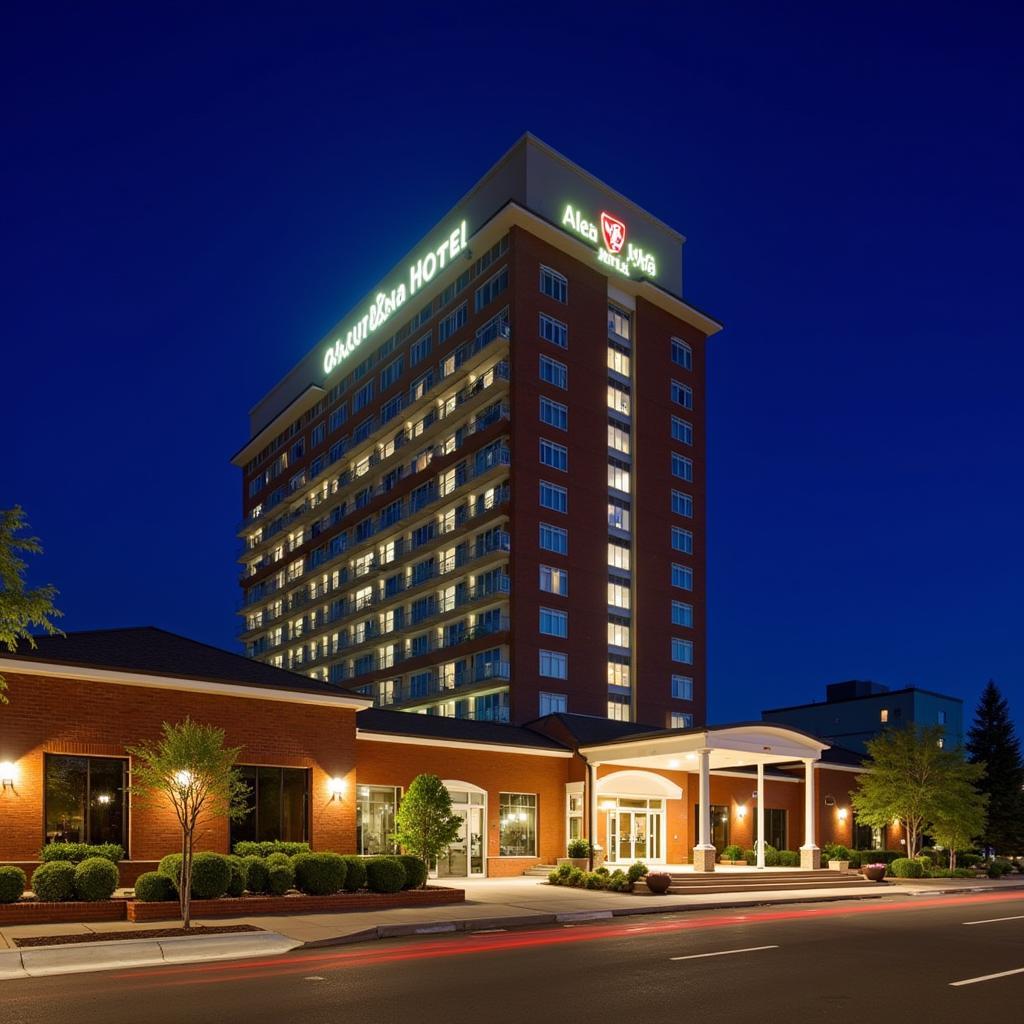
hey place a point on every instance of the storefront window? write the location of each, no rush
(85, 800)
(376, 807)
(518, 825)
(277, 805)
(574, 815)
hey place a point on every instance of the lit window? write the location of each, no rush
(554, 665)
(554, 455)
(618, 709)
(618, 671)
(553, 703)
(618, 475)
(618, 360)
(618, 322)
(682, 577)
(553, 497)
(554, 623)
(682, 688)
(682, 651)
(553, 284)
(681, 720)
(884, 716)
(554, 331)
(618, 437)
(618, 514)
(554, 581)
(682, 354)
(618, 634)
(618, 594)
(517, 825)
(618, 555)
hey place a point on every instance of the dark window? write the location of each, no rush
(774, 826)
(277, 805)
(85, 800)
(719, 826)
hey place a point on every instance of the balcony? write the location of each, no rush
(402, 691)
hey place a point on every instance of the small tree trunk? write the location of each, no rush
(183, 886)
(186, 884)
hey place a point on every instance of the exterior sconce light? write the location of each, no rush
(741, 811)
(103, 798)
(337, 788)
(830, 800)
(7, 773)
(842, 814)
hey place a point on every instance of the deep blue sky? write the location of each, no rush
(191, 199)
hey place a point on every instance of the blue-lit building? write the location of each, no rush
(856, 711)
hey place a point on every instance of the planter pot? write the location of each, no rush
(658, 882)
(838, 865)
(583, 863)
(873, 872)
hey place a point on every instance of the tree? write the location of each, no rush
(21, 607)
(907, 776)
(425, 823)
(959, 818)
(191, 767)
(992, 741)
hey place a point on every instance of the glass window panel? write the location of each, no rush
(66, 788)
(268, 804)
(106, 800)
(518, 825)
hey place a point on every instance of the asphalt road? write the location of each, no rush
(835, 963)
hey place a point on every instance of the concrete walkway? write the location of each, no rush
(506, 903)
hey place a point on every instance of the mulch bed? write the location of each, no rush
(145, 933)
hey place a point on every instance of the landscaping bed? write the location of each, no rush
(145, 933)
(296, 903)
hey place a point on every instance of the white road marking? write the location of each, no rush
(724, 952)
(488, 931)
(313, 977)
(992, 920)
(986, 977)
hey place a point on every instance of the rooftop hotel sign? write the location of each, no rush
(609, 235)
(385, 304)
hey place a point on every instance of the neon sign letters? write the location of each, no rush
(384, 305)
(610, 231)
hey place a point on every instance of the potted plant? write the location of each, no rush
(579, 854)
(873, 872)
(838, 857)
(658, 881)
(733, 854)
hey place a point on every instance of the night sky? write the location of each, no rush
(191, 199)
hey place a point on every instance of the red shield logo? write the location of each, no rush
(614, 232)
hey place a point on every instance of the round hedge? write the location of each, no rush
(95, 879)
(171, 867)
(415, 871)
(355, 873)
(12, 883)
(279, 858)
(282, 877)
(239, 876)
(257, 878)
(211, 875)
(54, 881)
(319, 874)
(153, 887)
(904, 867)
(384, 874)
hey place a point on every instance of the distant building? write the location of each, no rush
(858, 710)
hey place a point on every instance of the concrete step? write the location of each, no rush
(792, 875)
(540, 870)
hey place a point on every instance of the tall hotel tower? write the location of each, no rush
(481, 494)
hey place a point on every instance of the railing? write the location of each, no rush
(401, 691)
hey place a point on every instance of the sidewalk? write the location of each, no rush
(490, 903)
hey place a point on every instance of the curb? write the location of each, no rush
(567, 917)
(85, 957)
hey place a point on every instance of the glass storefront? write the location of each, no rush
(277, 806)
(517, 835)
(465, 856)
(376, 807)
(85, 799)
(634, 829)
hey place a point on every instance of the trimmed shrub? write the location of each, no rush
(732, 852)
(1000, 866)
(154, 887)
(257, 877)
(968, 859)
(384, 874)
(54, 881)
(12, 883)
(319, 874)
(578, 848)
(96, 878)
(280, 857)
(835, 851)
(281, 877)
(575, 877)
(880, 856)
(789, 859)
(171, 867)
(355, 873)
(771, 856)
(855, 859)
(905, 867)
(749, 856)
(239, 876)
(618, 881)
(77, 852)
(211, 875)
(554, 877)
(636, 871)
(250, 849)
(416, 871)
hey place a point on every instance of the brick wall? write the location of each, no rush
(90, 718)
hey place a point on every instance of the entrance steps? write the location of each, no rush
(689, 883)
(540, 870)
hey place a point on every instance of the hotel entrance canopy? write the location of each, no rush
(714, 748)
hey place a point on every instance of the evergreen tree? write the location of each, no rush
(993, 742)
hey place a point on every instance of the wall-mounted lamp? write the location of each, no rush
(741, 811)
(337, 788)
(830, 800)
(103, 798)
(7, 774)
(842, 814)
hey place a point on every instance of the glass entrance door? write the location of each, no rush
(465, 856)
(634, 830)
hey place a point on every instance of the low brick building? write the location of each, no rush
(324, 766)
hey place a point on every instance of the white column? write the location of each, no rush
(592, 809)
(810, 855)
(704, 851)
(760, 816)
